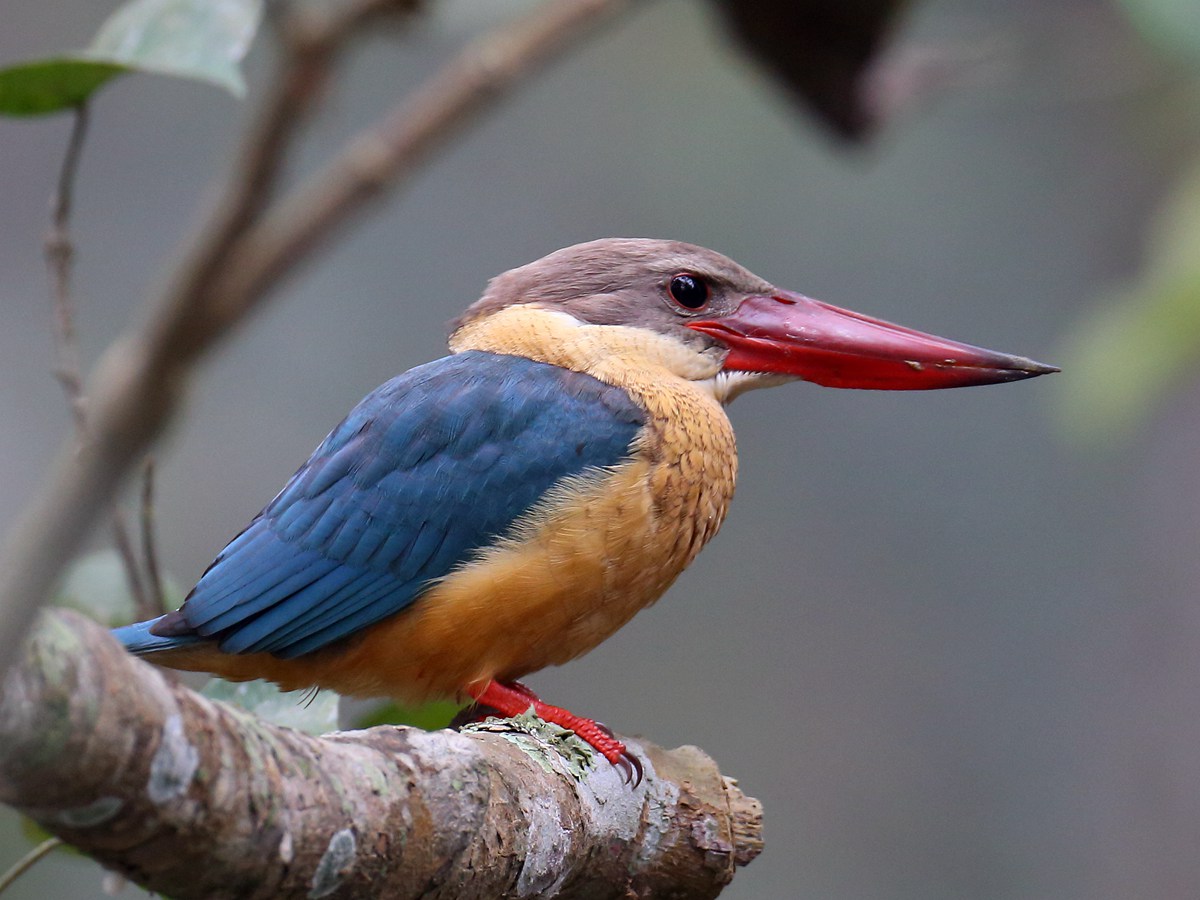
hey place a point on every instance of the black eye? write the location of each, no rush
(689, 291)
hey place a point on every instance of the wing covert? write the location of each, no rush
(430, 467)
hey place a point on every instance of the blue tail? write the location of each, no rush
(138, 639)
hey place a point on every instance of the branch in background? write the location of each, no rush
(389, 153)
(312, 36)
(59, 253)
(233, 265)
(148, 777)
(142, 604)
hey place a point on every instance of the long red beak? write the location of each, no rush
(789, 334)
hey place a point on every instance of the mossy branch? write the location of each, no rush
(193, 798)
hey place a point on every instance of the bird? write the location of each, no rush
(509, 506)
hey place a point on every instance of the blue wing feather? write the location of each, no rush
(427, 469)
(138, 638)
(309, 611)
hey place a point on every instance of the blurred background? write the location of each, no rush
(951, 640)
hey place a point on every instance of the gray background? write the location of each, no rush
(954, 655)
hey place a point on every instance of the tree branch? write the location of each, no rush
(193, 798)
(235, 261)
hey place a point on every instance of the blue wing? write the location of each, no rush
(428, 468)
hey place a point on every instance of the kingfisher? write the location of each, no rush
(509, 506)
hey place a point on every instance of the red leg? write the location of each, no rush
(513, 698)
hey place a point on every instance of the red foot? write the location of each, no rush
(513, 698)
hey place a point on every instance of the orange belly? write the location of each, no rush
(577, 569)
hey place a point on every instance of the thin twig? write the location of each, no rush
(59, 250)
(27, 862)
(156, 602)
(123, 544)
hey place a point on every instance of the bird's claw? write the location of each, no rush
(630, 768)
(628, 763)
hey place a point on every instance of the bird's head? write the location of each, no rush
(740, 329)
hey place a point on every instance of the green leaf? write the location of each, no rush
(294, 709)
(51, 85)
(201, 39)
(1124, 356)
(1171, 25)
(430, 716)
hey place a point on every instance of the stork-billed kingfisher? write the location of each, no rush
(510, 506)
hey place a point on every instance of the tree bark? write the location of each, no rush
(193, 798)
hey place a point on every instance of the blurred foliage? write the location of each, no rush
(35, 833)
(97, 586)
(430, 716)
(307, 711)
(200, 39)
(1125, 354)
(820, 50)
(1171, 25)
(203, 40)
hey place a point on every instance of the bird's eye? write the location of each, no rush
(689, 291)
